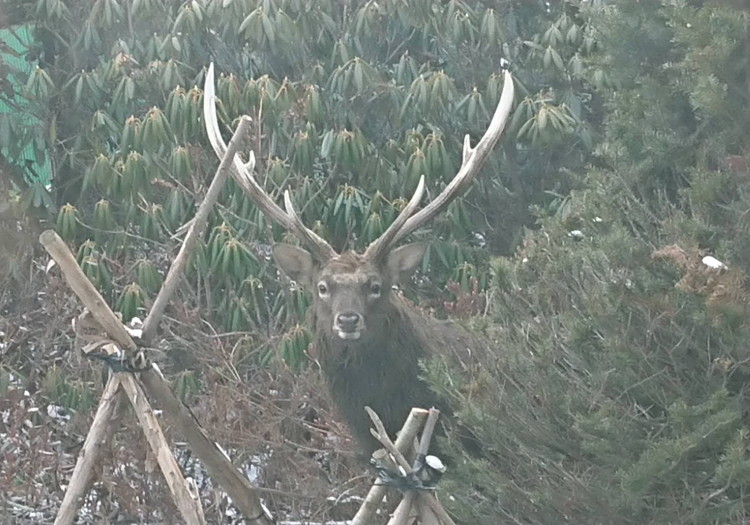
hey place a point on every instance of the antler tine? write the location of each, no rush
(243, 175)
(472, 161)
(209, 114)
(379, 246)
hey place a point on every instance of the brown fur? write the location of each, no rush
(385, 373)
(381, 369)
(376, 372)
(347, 262)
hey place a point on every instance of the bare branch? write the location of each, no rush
(381, 435)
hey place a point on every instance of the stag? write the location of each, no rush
(368, 339)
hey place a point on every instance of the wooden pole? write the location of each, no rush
(98, 435)
(218, 465)
(194, 232)
(430, 510)
(366, 513)
(85, 291)
(191, 510)
(415, 503)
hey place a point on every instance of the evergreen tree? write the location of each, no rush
(618, 393)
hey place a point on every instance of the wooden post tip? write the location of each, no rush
(48, 237)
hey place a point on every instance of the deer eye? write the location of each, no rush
(322, 289)
(375, 290)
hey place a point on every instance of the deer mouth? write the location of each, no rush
(348, 335)
(348, 325)
(349, 332)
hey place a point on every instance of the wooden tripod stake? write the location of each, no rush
(217, 464)
(82, 474)
(419, 505)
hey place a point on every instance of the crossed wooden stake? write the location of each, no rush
(150, 384)
(417, 506)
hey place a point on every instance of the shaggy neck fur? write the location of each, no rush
(379, 370)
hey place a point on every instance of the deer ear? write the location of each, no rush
(297, 263)
(403, 261)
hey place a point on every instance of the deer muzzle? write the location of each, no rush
(348, 325)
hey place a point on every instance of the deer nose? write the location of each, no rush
(348, 321)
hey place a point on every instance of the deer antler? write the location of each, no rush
(473, 158)
(379, 246)
(405, 223)
(243, 175)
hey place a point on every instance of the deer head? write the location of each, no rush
(352, 290)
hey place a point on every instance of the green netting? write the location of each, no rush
(21, 130)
